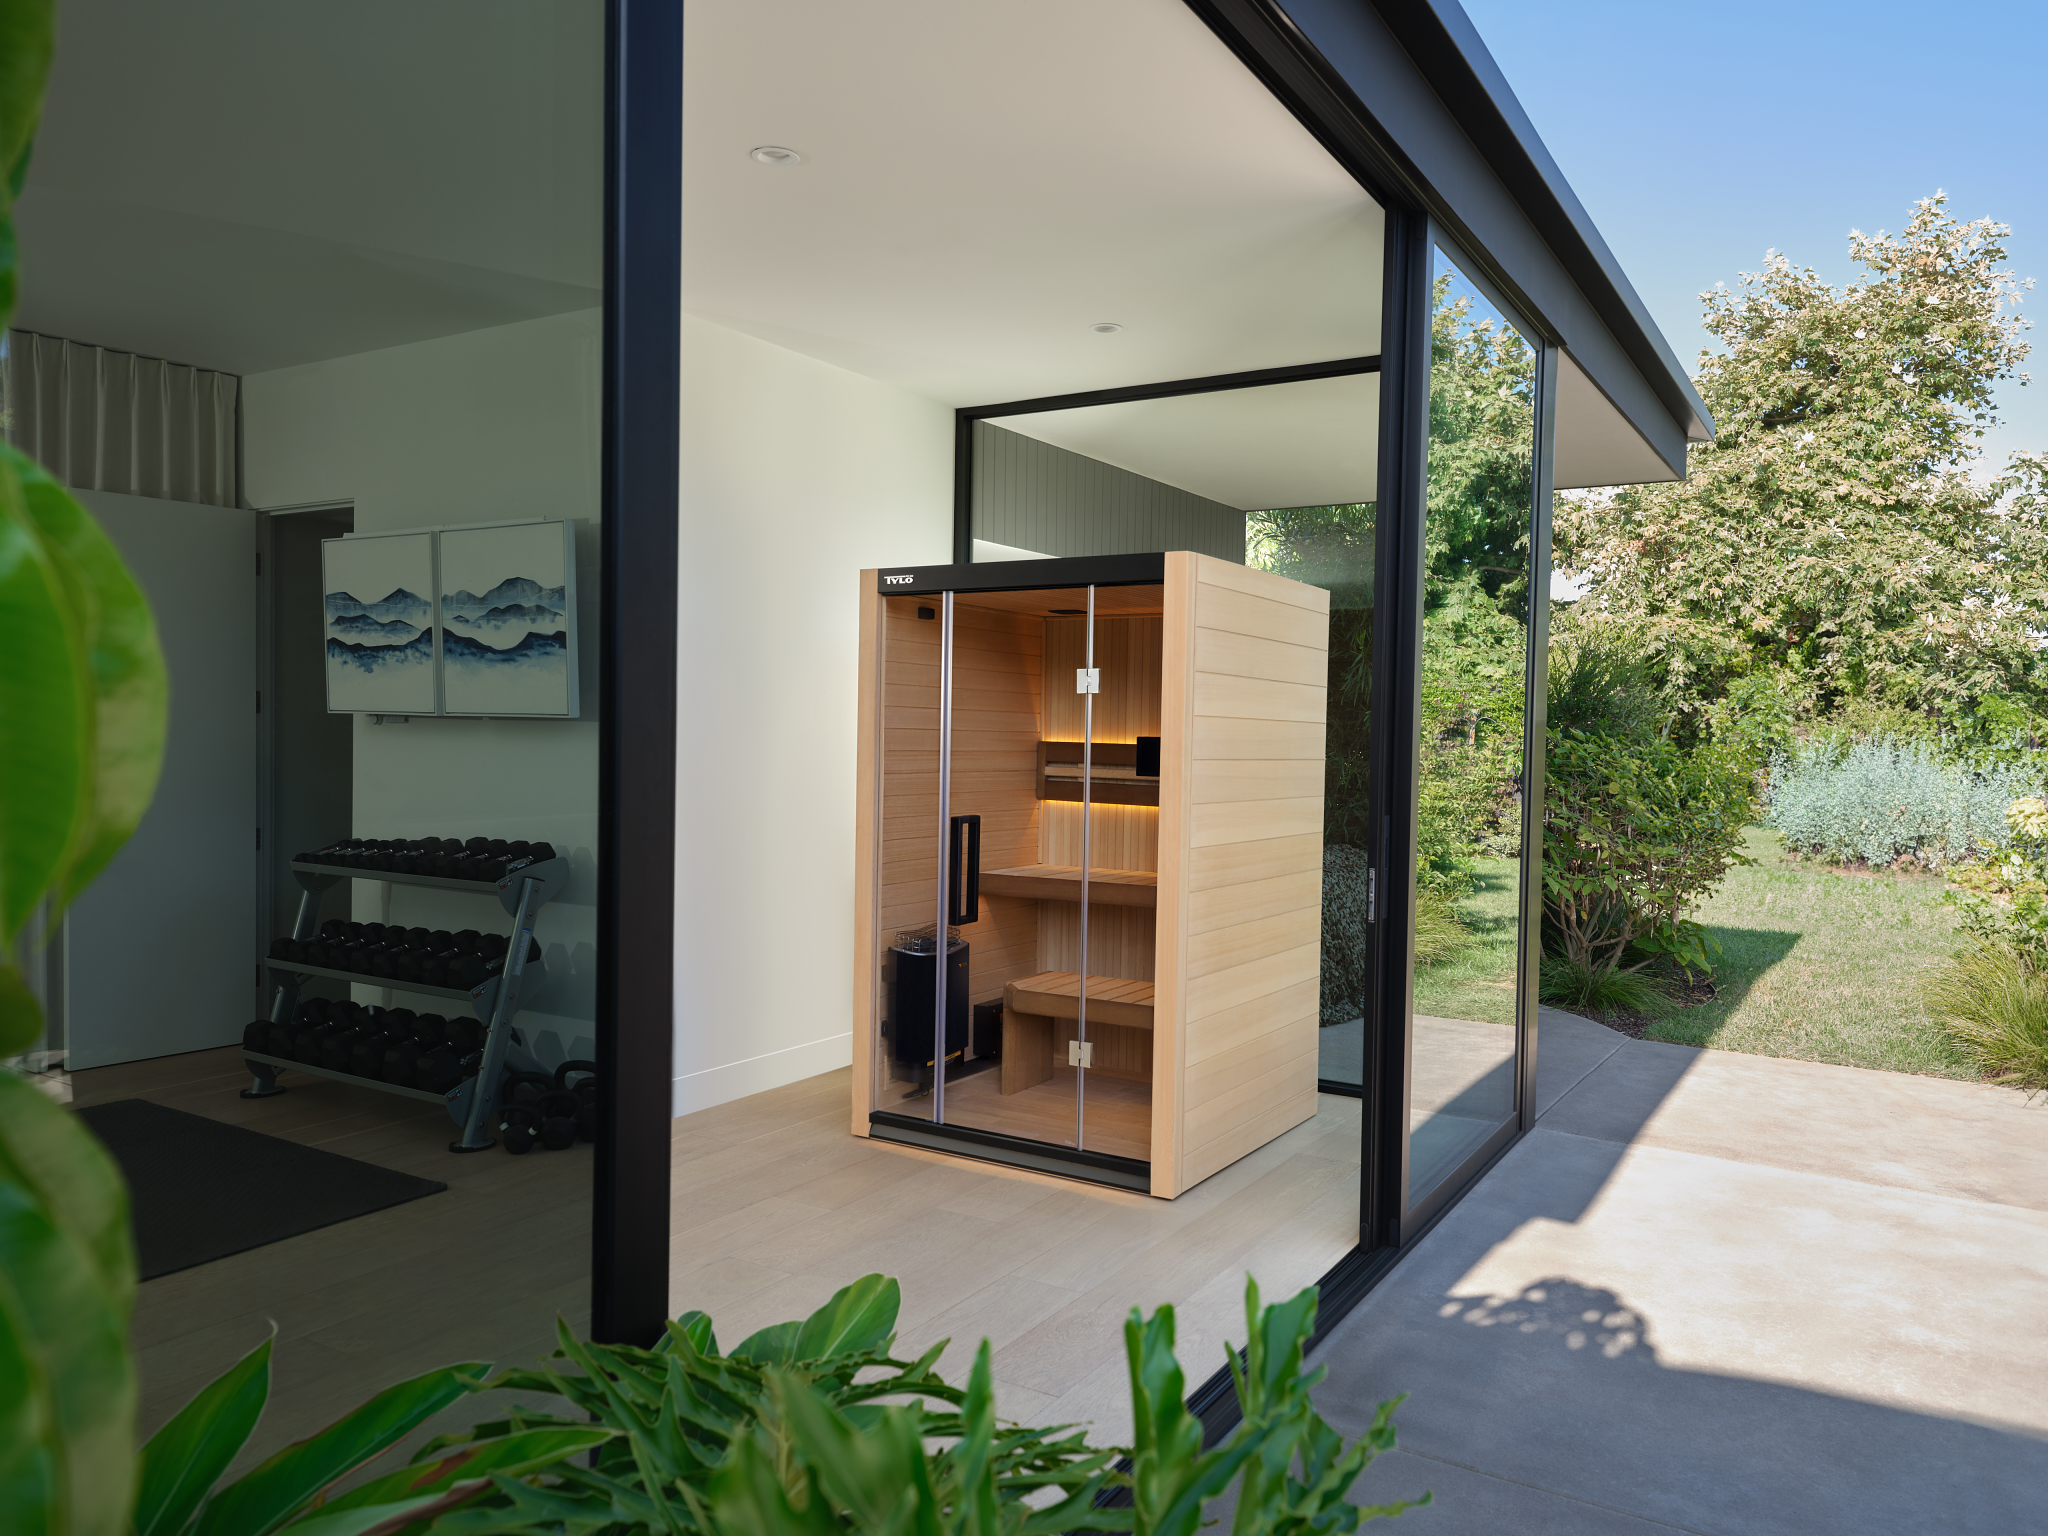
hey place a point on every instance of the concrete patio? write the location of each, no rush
(1725, 1294)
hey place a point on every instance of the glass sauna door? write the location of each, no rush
(1020, 820)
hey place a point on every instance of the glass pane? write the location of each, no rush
(906, 1057)
(1474, 666)
(1332, 547)
(383, 328)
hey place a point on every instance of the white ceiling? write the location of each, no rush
(983, 180)
(1596, 445)
(244, 184)
(1309, 444)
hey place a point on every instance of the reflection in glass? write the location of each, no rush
(1332, 547)
(1474, 665)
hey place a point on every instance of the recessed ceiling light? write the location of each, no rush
(775, 154)
(1106, 328)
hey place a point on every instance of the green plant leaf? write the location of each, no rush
(518, 1454)
(27, 38)
(773, 1345)
(185, 1458)
(860, 1316)
(263, 1499)
(67, 1284)
(383, 1519)
(129, 683)
(46, 715)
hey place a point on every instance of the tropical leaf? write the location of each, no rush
(185, 1458)
(265, 1498)
(129, 683)
(67, 1284)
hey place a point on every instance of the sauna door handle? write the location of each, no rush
(964, 898)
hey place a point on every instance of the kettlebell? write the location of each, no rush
(519, 1110)
(585, 1092)
(558, 1120)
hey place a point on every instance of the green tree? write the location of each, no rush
(1839, 530)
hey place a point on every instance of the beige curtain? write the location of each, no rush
(112, 421)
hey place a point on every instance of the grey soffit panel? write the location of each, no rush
(1407, 96)
(1033, 495)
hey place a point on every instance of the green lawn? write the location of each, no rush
(1817, 965)
(1478, 982)
(1823, 967)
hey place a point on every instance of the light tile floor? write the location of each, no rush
(777, 1205)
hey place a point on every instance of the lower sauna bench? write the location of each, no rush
(1119, 1026)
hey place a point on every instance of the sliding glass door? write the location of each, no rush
(1462, 1082)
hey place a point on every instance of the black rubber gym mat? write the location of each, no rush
(202, 1190)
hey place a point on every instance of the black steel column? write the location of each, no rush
(637, 731)
(1397, 669)
(1535, 713)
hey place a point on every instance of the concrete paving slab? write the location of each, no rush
(1715, 1345)
(1568, 1049)
(1977, 1141)
(1467, 1502)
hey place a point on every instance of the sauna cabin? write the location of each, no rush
(1089, 863)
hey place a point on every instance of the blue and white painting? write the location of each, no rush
(508, 620)
(380, 623)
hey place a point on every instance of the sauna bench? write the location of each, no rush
(1119, 1021)
(1062, 882)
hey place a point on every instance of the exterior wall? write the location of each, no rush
(482, 426)
(1030, 495)
(795, 476)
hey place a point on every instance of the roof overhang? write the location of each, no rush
(1409, 99)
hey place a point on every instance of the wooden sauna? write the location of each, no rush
(1168, 710)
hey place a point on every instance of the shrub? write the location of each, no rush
(1635, 831)
(1348, 934)
(1585, 988)
(2004, 901)
(1879, 800)
(1994, 1004)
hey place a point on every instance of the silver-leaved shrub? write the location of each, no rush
(1877, 801)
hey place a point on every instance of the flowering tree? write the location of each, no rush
(1840, 532)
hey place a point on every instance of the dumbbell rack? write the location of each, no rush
(522, 890)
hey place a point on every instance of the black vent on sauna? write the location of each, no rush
(1148, 757)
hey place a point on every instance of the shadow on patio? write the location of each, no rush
(1723, 1293)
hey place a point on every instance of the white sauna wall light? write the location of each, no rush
(775, 154)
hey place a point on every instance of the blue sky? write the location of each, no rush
(1700, 137)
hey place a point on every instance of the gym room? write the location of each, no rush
(311, 323)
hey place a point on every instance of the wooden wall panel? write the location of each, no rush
(1252, 833)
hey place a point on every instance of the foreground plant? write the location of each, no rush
(1992, 999)
(813, 1428)
(807, 1428)
(82, 706)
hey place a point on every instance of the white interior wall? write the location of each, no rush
(796, 475)
(483, 426)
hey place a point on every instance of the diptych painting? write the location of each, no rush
(500, 640)
(505, 621)
(379, 596)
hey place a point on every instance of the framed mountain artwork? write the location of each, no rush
(508, 620)
(379, 596)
